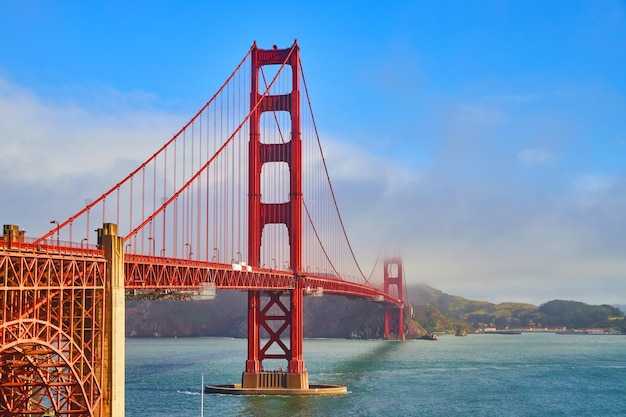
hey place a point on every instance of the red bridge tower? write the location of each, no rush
(288, 213)
(394, 316)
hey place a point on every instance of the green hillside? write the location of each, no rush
(556, 313)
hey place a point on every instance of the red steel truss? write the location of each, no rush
(146, 273)
(51, 331)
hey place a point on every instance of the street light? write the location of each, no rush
(58, 226)
(238, 257)
(190, 252)
(218, 254)
(81, 242)
(127, 250)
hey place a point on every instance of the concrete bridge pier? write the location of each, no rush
(114, 339)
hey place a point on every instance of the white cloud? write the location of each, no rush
(591, 188)
(472, 114)
(593, 183)
(488, 236)
(45, 142)
(468, 232)
(534, 156)
(348, 162)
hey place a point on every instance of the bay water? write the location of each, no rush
(479, 375)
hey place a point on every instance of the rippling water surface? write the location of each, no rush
(477, 375)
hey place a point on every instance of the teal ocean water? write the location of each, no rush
(477, 375)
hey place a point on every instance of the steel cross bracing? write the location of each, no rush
(51, 325)
(146, 274)
(239, 199)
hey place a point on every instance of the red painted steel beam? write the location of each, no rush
(152, 272)
(143, 272)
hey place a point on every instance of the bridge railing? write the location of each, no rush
(51, 245)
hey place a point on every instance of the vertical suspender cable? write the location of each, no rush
(199, 196)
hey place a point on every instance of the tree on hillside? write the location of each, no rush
(578, 315)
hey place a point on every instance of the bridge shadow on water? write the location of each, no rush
(261, 406)
(369, 361)
(349, 372)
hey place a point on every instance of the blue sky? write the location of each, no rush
(490, 135)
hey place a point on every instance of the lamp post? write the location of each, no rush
(239, 257)
(190, 251)
(217, 257)
(127, 250)
(58, 227)
(81, 242)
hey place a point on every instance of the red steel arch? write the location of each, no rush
(51, 331)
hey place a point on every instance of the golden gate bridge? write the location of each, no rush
(239, 199)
